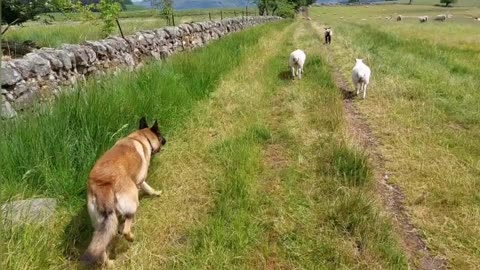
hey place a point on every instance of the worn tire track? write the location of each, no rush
(392, 197)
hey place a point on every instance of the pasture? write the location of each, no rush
(72, 29)
(264, 172)
(423, 110)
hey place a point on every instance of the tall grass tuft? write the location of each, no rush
(350, 166)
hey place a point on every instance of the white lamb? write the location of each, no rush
(423, 19)
(441, 18)
(296, 61)
(361, 76)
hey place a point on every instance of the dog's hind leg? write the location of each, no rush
(127, 204)
(149, 190)
(127, 228)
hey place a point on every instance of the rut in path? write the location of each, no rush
(393, 199)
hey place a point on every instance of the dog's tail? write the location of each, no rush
(104, 204)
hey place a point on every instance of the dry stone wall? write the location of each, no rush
(41, 75)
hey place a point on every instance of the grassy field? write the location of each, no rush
(275, 187)
(73, 30)
(460, 3)
(423, 107)
(259, 171)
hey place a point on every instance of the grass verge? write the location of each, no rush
(423, 109)
(50, 152)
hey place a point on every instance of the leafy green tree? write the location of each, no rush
(109, 13)
(285, 7)
(448, 2)
(19, 11)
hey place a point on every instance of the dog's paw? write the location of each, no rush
(129, 236)
(109, 263)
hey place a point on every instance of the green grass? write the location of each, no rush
(50, 152)
(460, 3)
(424, 109)
(259, 172)
(276, 203)
(72, 30)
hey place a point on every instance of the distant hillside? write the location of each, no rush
(197, 4)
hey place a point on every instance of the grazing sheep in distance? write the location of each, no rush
(399, 18)
(296, 61)
(328, 35)
(361, 76)
(423, 19)
(441, 18)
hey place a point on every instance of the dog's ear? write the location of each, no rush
(143, 123)
(154, 128)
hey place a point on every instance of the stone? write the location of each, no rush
(51, 56)
(41, 66)
(9, 97)
(67, 58)
(161, 34)
(31, 211)
(172, 31)
(9, 75)
(97, 47)
(81, 57)
(6, 109)
(129, 60)
(20, 88)
(24, 67)
(26, 99)
(186, 28)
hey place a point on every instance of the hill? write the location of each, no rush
(198, 4)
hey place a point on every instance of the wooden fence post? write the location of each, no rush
(173, 19)
(246, 10)
(209, 16)
(221, 15)
(120, 28)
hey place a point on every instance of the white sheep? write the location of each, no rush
(296, 61)
(361, 76)
(423, 19)
(328, 35)
(399, 18)
(442, 17)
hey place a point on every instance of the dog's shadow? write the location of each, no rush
(77, 236)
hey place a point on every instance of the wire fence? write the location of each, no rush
(178, 18)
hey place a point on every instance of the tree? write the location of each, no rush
(19, 11)
(166, 9)
(287, 7)
(448, 2)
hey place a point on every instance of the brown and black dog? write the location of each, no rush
(113, 187)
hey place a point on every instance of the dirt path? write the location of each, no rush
(185, 171)
(392, 197)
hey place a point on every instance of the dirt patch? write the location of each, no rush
(275, 157)
(392, 196)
